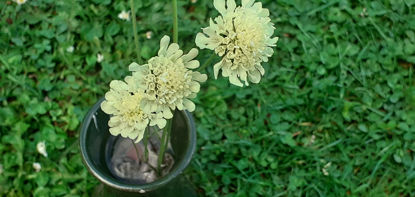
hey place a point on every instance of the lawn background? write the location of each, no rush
(334, 114)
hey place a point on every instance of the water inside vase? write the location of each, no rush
(127, 163)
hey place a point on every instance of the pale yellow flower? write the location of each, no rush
(20, 2)
(122, 102)
(41, 148)
(242, 37)
(123, 15)
(167, 80)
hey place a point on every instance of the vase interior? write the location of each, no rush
(98, 139)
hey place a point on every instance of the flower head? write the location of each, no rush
(41, 148)
(20, 2)
(128, 119)
(242, 37)
(167, 80)
(123, 15)
(37, 166)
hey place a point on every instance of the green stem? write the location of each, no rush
(206, 63)
(136, 150)
(146, 136)
(175, 23)
(136, 41)
(163, 144)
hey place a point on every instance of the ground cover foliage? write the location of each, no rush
(334, 114)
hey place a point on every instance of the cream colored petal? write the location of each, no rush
(190, 56)
(189, 105)
(197, 76)
(161, 123)
(129, 80)
(153, 106)
(204, 42)
(118, 85)
(243, 76)
(167, 113)
(192, 64)
(134, 67)
(132, 83)
(119, 129)
(260, 68)
(216, 69)
(145, 106)
(233, 79)
(164, 43)
(114, 121)
(152, 122)
(114, 131)
(269, 30)
(179, 105)
(174, 52)
(254, 76)
(268, 51)
(112, 96)
(257, 7)
(126, 130)
(139, 137)
(192, 95)
(264, 58)
(220, 6)
(107, 108)
(264, 13)
(272, 42)
(231, 5)
(226, 72)
(194, 87)
(247, 3)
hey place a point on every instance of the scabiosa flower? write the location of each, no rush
(124, 15)
(41, 148)
(167, 81)
(122, 102)
(20, 2)
(242, 37)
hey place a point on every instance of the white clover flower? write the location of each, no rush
(41, 148)
(167, 80)
(128, 119)
(20, 2)
(100, 57)
(149, 34)
(123, 15)
(37, 166)
(242, 37)
(70, 49)
(324, 170)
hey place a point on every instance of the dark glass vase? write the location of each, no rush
(95, 140)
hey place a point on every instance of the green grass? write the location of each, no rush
(339, 89)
